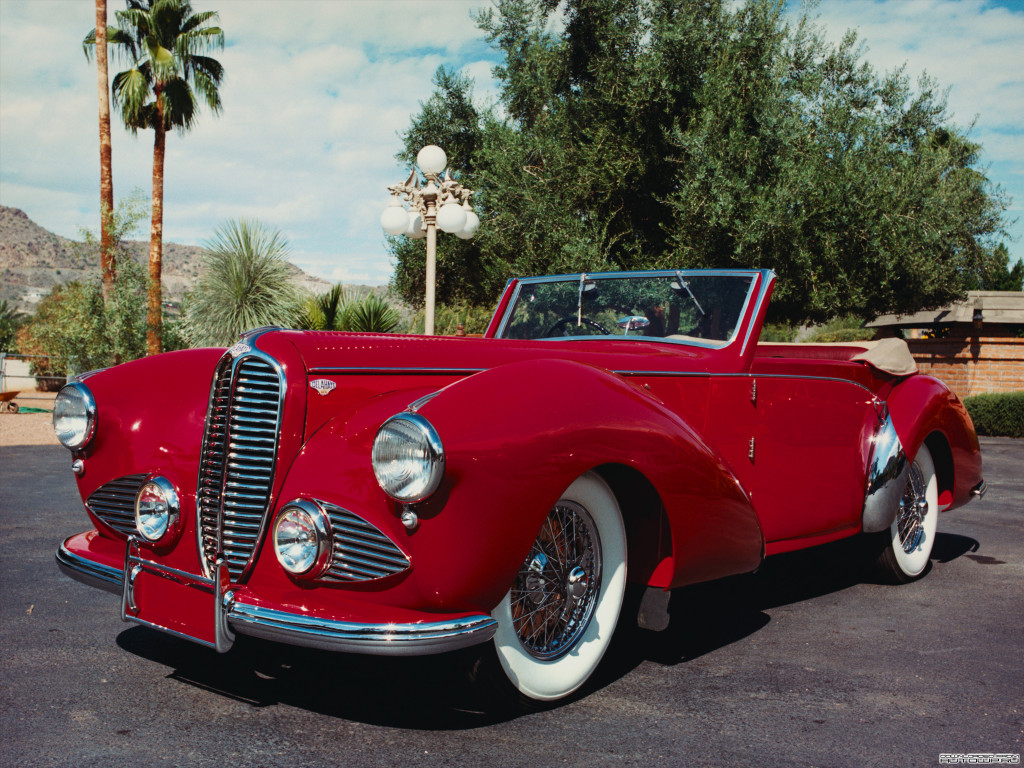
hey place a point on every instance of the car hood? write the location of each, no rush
(323, 352)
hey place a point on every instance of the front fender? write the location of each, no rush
(515, 437)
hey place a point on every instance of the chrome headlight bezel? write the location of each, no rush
(408, 458)
(157, 510)
(314, 522)
(74, 402)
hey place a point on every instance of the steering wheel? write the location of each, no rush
(569, 320)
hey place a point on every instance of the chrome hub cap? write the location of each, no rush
(556, 590)
(912, 512)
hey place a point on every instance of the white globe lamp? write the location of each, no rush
(416, 229)
(432, 159)
(471, 226)
(395, 219)
(451, 217)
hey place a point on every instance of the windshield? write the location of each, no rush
(685, 306)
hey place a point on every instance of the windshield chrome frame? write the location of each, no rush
(765, 274)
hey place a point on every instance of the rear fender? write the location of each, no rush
(923, 409)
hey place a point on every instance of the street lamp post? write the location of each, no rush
(442, 203)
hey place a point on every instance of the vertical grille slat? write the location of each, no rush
(236, 469)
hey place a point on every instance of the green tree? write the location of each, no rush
(10, 321)
(245, 282)
(80, 332)
(166, 43)
(658, 133)
(1000, 276)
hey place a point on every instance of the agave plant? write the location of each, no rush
(345, 310)
(246, 283)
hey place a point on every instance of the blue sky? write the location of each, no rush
(317, 92)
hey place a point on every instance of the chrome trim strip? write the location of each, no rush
(413, 639)
(887, 476)
(87, 572)
(661, 374)
(767, 278)
(393, 371)
(980, 489)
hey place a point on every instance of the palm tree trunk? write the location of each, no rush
(107, 257)
(154, 313)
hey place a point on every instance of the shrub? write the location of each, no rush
(845, 328)
(998, 414)
(448, 318)
(72, 326)
(341, 309)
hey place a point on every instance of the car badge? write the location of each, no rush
(239, 348)
(323, 386)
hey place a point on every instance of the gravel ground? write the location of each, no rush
(29, 428)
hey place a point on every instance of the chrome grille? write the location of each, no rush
(361, 551)
(236, 469)
(114, 503)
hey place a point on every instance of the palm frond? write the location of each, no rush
(131, 91)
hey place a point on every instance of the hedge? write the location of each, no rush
(997, 415)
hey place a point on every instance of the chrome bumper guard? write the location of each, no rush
(408, 639)
(980, 489)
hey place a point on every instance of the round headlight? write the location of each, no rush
(302, 539)
(74, 416)
(408, 458)
(157, 510)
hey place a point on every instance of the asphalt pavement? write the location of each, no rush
(809, 662)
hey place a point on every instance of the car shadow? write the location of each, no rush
(433, 692)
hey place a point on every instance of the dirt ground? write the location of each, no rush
(29, 428)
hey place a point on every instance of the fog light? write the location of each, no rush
(157, 510)
(302, 539)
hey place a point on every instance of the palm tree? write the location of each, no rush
(98, 38)
(165, 42)
(246, 282)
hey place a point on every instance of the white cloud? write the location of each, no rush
(317, 92)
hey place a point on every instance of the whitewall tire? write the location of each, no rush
(557, 621)
(911, 537)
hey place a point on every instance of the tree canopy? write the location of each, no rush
(668, 134)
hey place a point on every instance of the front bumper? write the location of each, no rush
(391, 639)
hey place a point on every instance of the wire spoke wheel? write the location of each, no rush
(557, 587)
(558, 617)
(907, 545)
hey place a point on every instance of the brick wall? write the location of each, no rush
(971, 366)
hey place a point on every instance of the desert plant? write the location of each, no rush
(245, 282)
(345, 310)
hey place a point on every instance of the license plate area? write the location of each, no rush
(180, 603)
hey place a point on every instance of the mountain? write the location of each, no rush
(33, 260)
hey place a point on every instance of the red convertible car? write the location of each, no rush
(389, 494)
